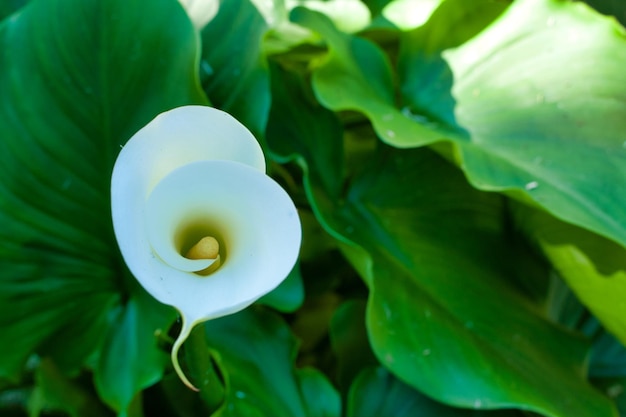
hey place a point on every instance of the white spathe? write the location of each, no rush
(192, 172)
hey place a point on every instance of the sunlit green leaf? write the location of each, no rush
(594, 267)
(426, 78)
(78, 78)
(256, 350)
(554, 135)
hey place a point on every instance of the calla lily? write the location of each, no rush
(198, 222)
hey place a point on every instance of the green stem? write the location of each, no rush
(203, 369)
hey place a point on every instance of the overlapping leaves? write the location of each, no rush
(444, 313)
(502, 98)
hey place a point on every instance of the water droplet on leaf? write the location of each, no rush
(531, 185)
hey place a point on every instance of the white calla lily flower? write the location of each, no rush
(198, 222)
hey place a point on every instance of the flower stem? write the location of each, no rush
(204, 369)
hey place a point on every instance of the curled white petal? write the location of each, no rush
(195, 172)
(250, 214)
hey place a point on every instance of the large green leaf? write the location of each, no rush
(256, 350)
(555, 135)
(441, 314)
(520, 124)
(77, 79)
(445, 312)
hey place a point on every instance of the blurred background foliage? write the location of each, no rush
(460, 173)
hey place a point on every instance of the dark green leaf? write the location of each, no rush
(235, 75)
(256, 350)
(77, 79)
(60, 393)
(441, 314)
(131, 358)
(377, 393)
(293, 111)
(615, 8)
(289, 295)
(348, 335)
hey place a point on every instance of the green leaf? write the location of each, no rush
(357, 75)
(131, 358)
(442, 314)
(376, 392)
(614, 388)
(256, 350)
(59, 393)
(235, 75)
(348, 336)
(78, 78)
(426, 78)
(293, 111)
(534, 128)
(593, 267)
(289, 295)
